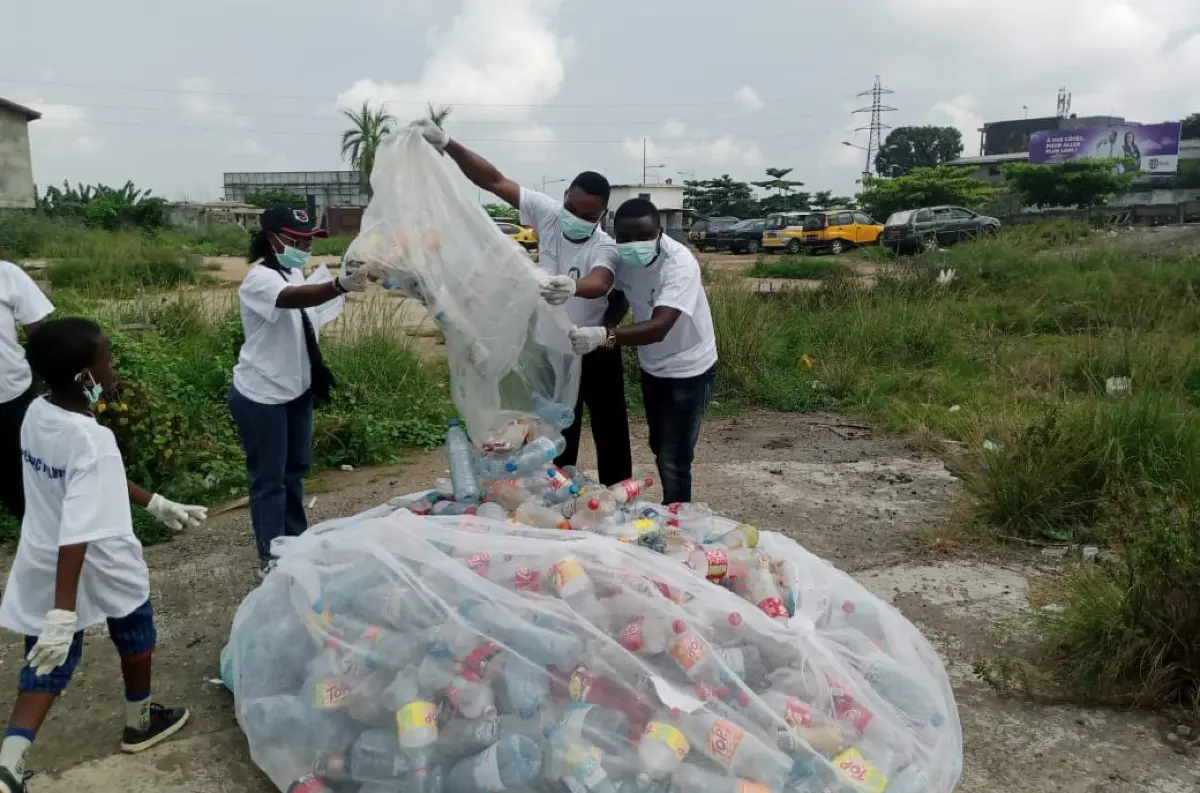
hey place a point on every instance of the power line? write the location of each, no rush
(309, 98)
(875, 129)
(302, 133)
(338, 115)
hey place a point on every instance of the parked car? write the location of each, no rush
(704, 231)
(518, 233)
(838, 230)
(784, 231)
(743, 237)
(932, 227)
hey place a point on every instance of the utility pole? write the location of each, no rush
(643, 159)
(875, 129)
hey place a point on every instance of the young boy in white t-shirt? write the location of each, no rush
(78, 562)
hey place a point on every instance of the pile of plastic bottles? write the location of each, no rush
(667, 649)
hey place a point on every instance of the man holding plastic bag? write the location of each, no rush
(672, 331)
(571, 244)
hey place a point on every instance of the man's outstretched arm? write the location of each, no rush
(479, 171)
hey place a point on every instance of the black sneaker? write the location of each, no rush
(9, 783)
(164, 722)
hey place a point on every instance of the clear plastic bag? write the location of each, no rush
(461, 654)
(509, 355)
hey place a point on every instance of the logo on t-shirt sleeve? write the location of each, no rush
(574, 273)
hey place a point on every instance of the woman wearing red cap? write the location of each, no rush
(280, 373)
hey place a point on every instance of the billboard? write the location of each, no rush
(1153, 148)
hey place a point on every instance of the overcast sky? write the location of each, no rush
(172, 94)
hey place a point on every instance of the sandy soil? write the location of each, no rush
(855, 497)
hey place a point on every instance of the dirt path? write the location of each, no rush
(851, 496)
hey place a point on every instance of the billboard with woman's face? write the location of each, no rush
(1152, 148)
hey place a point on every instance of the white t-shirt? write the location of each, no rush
(21, 302)
(75, 493)
(690, 348)
(559, 256)
(273, 365)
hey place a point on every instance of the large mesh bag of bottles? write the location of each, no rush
(508, 351)
(458, 654)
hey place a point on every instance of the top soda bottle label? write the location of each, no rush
(689, 650)
(724, 737)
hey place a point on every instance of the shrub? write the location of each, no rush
(796, 267)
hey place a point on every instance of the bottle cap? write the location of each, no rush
(593, 504)
(679, 626)
(453, 422)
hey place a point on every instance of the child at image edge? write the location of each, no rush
(78, 563)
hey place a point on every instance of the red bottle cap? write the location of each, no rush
(679, 626)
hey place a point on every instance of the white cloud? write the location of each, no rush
(499, 60)
(673, 128)
(963, 113)
(246, 147)
(198, 102)
(747, 98)
(707, 154)
(63, 129)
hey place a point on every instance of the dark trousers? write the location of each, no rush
(12, 489)
(674, 412)
(277, 440)
(602, 390)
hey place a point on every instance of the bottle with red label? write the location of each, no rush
(709, 561)
(761, 588)
(648, 636)
(736, 750)
(582, 685)
(631, 489)
(310, 783)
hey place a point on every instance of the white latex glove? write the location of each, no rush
(436, 136)
(176, 516)
(557, 289)
(585, 340)
(54, 644)
(355, 281)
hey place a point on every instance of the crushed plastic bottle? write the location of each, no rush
(462, 470)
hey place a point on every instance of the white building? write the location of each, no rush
(667, 197)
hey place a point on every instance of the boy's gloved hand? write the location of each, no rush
(555, 289)
(176, 516)
(54, 645)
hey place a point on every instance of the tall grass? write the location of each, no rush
(1016, 351)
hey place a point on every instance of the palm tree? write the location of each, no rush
(369, 126)
(438, 114)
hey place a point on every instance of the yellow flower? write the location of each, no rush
(101, 407)
(123, 407)
(167, 453)
(804, 363)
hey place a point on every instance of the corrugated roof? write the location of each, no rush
(21, 110)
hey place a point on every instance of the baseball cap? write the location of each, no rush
(294, 221)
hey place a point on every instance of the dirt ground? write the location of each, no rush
(847, 493)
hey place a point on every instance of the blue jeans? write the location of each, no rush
(277, 440)
(674, 412)
(133, 635)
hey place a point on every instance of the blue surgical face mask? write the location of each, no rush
(91, 389)
(575, 229)
(638, 254)
(292, 258)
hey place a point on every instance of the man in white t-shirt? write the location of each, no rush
(570, 244)
(672, 331)
(21, 303)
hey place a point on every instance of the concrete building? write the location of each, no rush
(17, 190)
(667, 197)
(321, 189)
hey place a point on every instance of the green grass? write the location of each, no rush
(1016, 351)
(796, 267)
(331, 246)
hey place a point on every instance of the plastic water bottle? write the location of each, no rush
(561, 488)
(538, 453)
(492, 511)
(556, 414)
(660, 752)
(605, 728)
(472, 697)
(736, 750)
(630, 489)
(416, 726)
(462, 472)
(533, 514)
(459, 737)
(374, 756)
(526, 686)
(509, 764)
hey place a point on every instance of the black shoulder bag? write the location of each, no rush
(323, 381)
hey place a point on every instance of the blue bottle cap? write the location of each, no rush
(453, 422)
(510, 466)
